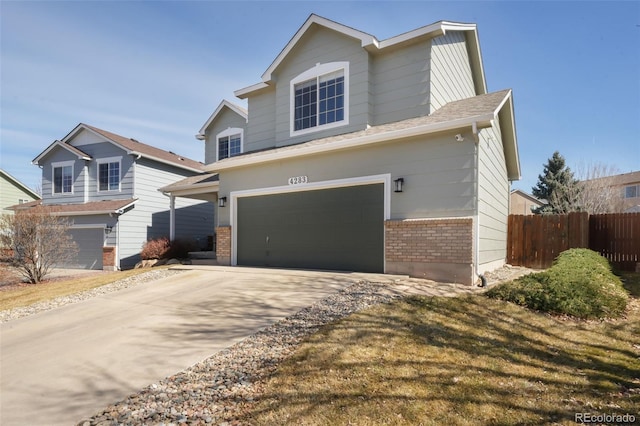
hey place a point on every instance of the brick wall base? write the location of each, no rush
(109, 258)
(435, 249)
(223, 245)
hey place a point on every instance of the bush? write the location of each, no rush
(155, 249)
(180, 248)
(580, 283)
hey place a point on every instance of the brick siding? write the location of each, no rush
(108, 258)
(223, 245)
(439, 249)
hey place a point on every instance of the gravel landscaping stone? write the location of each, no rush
(11, 314)
(221, 388)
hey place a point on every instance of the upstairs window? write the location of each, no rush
(320, 98)
(63, 178)
(109, 174)
(632, 191)
(229, 143)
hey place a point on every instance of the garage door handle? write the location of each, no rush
(267, 239)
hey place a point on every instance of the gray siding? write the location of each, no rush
(223, 121)
(261, 128)
(451, 77)
(321, 45)
(439, 175)
(150, 216)
(61, 155)
(108, 150)
(400, 83)
(493, 197)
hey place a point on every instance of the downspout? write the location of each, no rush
(476, 255)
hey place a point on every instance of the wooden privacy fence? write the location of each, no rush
(535, 240)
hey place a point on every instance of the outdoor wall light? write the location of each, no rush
(222, 201)
(108, 229)
(398, 183)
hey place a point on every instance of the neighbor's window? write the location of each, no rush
(320, 97)
(63, 178)
(632, 191)
(229, 143)
(109, 176)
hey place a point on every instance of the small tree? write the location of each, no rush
(38, 239)
(558, 186)
(597, 190)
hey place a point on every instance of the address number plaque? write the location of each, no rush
(296, 180)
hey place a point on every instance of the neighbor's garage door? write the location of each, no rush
(339, 229)
(89, 241)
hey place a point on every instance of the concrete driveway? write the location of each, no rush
(66, 364)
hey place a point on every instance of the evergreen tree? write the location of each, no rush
(557, 186)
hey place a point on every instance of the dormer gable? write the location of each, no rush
(373, 45)
(224, 132)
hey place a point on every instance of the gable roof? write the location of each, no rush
(19, 184)
(527, 196)
(79, 209)
(131, 146)
(58, 144)
(372, 44)
(205, 180)
(476, 112)
(224, 104)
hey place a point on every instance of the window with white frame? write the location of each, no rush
(109, 174)
(63, 177)
(320, 98)
(229, 143)
(632, 191)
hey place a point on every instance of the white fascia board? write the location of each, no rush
(245, 92)
(355, 142)
(197, 188)
(87, 213)
(160, 160)
(21, 185)
(224, 103)
(57, 143)
(365, 39)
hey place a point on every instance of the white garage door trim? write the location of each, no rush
(385, 179)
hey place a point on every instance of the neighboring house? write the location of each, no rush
(521, 202)
(629, 186)
(12, 192)
(361, 154)
(107, 185)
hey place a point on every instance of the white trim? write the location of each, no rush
(62, 164)
(108, 160)
(225, 103)
(62, 145)
(242, 93)
(315, 73)
(20, 185)
(385, 179)
(231, 131)
(365, 40)
(358, 141)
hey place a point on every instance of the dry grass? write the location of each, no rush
(28, 294)
(463, 361)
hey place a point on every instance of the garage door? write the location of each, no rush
(89, 241)
(337, 229)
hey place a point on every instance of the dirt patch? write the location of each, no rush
(507, 273)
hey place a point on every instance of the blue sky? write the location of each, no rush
(155, 71)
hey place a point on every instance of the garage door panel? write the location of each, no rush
(341, 228)
(89, 242)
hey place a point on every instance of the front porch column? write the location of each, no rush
(172, 218)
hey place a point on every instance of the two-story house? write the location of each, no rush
(13, 192)
(362, 154)
(107, 185)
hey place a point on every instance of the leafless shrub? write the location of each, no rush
(598, 192)
(39, 241)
